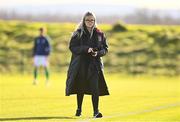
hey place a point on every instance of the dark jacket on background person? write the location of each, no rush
(41, 46)
(85, 71)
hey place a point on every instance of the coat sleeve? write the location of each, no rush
(76, 47)
(48, 46)
(104, 47)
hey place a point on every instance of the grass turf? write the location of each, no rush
(144, 98)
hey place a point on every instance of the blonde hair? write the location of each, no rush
(82, 25)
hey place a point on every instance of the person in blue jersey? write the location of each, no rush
(41, 52)
(85, 74)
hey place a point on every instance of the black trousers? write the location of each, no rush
(95, 102)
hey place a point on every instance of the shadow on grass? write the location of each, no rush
(35, 118)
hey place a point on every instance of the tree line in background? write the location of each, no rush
(133, 49)
(140, 16)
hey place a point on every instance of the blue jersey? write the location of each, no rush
(41, 46)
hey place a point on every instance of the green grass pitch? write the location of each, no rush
(131, 99)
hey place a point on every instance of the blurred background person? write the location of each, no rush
(41, 51)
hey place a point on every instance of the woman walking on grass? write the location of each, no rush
(85, 73)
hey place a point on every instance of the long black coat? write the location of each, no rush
(78, 66)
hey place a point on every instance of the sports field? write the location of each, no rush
(132, 99)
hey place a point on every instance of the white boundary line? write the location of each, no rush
(135, 112)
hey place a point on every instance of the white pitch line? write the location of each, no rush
(145, 111)
(135, 112)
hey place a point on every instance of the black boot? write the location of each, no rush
(97, 114)
(78, 112)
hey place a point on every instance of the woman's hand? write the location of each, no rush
(94, 54)
(90, 50)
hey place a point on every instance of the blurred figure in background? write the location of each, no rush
(85, 74)
(41, 51)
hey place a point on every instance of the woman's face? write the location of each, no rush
(89, 21)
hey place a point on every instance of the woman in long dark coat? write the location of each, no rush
(85, 73)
